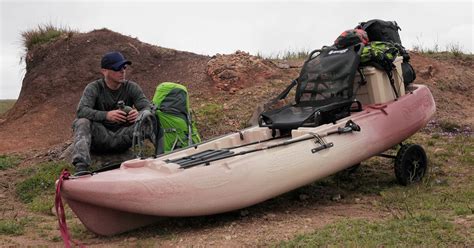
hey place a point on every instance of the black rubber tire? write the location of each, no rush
(411, 164)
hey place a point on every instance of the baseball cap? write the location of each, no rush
(114, 61)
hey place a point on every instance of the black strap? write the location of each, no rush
(392, 82)
(362, 81)
(281, 96)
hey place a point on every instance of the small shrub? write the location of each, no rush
(8, 161)
(448, 126)
(455, 49)
(44, 34)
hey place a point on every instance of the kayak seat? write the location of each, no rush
(295, 116)
(324, 91)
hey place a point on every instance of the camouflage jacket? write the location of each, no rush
(98, 99)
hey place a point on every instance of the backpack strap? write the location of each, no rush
(362, 81)
(392, 82)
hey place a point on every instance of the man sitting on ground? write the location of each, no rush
(101, 125)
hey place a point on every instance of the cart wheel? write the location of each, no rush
(410, 164)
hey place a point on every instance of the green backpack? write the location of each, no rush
(379, 54)
(174, 116)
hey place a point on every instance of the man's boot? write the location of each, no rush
(81, 170)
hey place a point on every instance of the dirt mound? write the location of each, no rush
(451, 80)
(233, 72)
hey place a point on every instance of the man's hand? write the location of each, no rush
(116, 116)
(132, 116)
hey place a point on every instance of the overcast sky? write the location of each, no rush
(265, 27)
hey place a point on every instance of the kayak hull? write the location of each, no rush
(142, 191)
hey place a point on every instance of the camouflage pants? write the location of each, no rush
(94, 136)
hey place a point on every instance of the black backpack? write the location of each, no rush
(408, 72)
(387, 31)
(379, 30)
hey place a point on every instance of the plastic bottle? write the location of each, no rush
(121, 105)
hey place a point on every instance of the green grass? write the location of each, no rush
(425, 214)
(11, 227)
(421, 230)
(43, 34)
(5, 105)
(210, 114)
(41, 182)
(9, 161)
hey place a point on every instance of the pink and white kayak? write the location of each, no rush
(240, 169)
